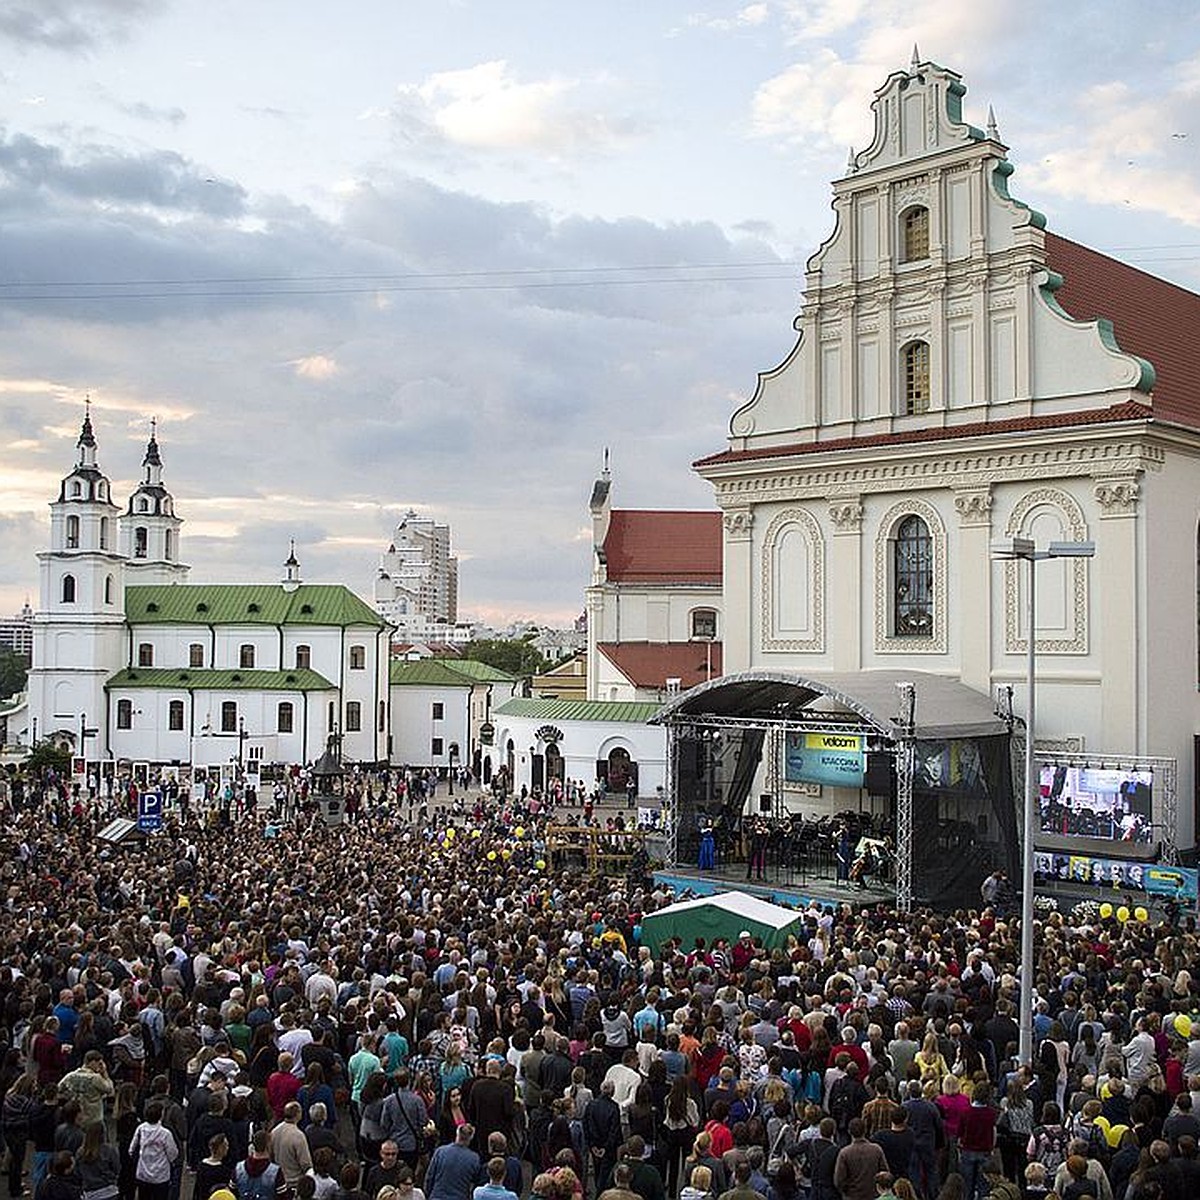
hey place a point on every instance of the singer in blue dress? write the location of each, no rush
(708, 851)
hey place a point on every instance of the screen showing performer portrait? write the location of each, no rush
(1094, 802)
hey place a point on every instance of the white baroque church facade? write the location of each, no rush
(963, 376)
(133, 664)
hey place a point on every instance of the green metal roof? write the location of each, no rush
(480, 671)
(428, 672)
(639, 711)
(247, 604)
(210, 680)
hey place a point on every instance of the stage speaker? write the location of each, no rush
(880, 778)
(765, 803)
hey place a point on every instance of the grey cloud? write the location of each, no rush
(71, 25)
(149, 112)
(160, 179)
(488, 407)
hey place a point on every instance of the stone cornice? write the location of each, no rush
(968, 470)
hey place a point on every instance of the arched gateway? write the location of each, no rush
(931, 749)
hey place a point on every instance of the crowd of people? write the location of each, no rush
(418, 1005)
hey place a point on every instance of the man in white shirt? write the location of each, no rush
(625, 1078)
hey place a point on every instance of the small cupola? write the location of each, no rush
(291, 569)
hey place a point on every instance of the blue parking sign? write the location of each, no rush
(149, 816)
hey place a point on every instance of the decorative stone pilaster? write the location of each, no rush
(738, 524)
(974, 507)
(846, 513)
(1118, 496)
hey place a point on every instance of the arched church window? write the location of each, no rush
(353, 716)
(916, 378)
(169, 545)
(912, 580)
(124, 714)
(303, 658)
(358, 658)
(141, 541)
(196, 654)
(229, 716)
(76, 489)
(108, 589)
(103, 533)
(68, 589)
(914, 226)
(145, 654)
(246, 656)
(143, 505)
(72, 532)
(285, 717)
(175, 715)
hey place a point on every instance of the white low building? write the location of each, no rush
(596, 741)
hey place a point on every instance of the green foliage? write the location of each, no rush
(47, 754)
(14, 668)
(515, 657)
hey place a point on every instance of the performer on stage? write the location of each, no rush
(708, 850)
(844, 857)
(756, 864)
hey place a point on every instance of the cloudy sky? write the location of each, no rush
(359, 257)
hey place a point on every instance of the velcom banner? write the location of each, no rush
(837, 759)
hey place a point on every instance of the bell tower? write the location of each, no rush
(78, 630)
(149, 526)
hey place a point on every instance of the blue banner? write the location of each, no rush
(1181, 882)
(836, 759)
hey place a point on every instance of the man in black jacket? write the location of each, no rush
(822, 1155)
(602, 1134)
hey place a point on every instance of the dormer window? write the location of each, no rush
(76, 489)
(914, 232)
(916, 378)
(143, 505)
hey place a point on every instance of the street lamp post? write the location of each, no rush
(1011, 549)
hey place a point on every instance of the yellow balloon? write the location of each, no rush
(450, 833)
(1106, 910)
(1183, 1025)
(540, 864)
(1141, 914)
(476, 833)
(1122, 914)
(491, 856)
(506, 854)
(519, 831)
(446, 845)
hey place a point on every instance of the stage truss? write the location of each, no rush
(898, 740)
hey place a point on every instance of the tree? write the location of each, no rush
(516, 657)
(47, 754)
(14, 668)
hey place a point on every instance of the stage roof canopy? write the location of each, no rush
(945, 708)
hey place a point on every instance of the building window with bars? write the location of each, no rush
(912, 580)
(916, 378)
(915, 233)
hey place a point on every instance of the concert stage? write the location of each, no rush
(795, 891)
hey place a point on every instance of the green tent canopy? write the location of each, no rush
(724, 915)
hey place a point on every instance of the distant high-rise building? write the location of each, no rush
(417, 580)
(16, 633)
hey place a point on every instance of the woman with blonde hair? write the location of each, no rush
(952, 1104)
(930, 1061)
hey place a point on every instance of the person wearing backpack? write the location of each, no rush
(257, 1177)
(847, 1098)
(1048, 1140)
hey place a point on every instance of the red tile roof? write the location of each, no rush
(1151, 318)
(651, 664)
(1154, 319)
(663, 547)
